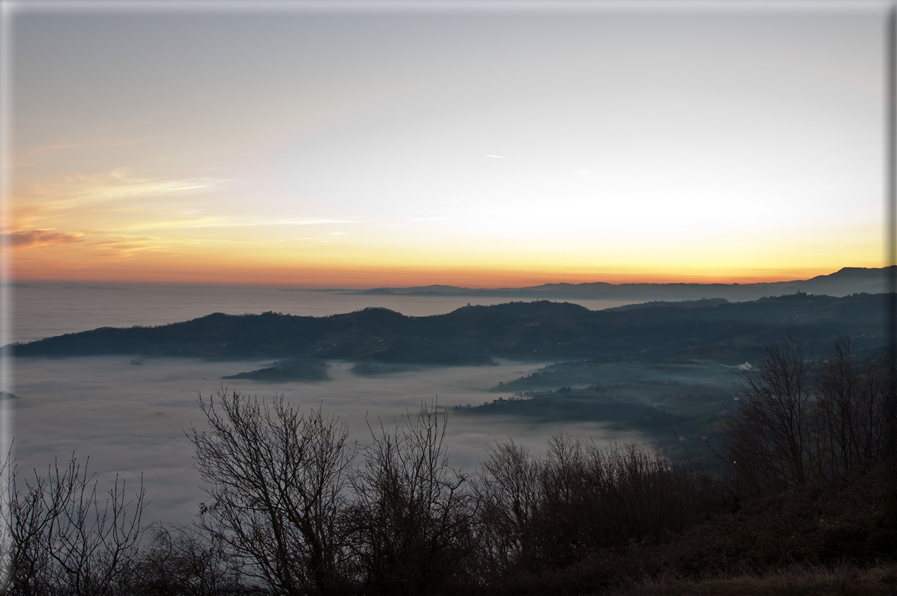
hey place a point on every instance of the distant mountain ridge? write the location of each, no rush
(477, 334)
(846, 281)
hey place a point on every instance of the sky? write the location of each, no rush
(490, 145)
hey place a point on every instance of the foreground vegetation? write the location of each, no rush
(804, 497)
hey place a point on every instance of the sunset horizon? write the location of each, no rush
(436, 297)
(318, 148)
(463, 279)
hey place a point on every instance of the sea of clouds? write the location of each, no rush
(131, 419)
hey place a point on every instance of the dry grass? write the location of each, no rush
(837, 580)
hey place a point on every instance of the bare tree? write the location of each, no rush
(185, 561)
(276, 481)
(769, 441)
(804, 420)
(65, 539)
(549, 513)
(510, 497)
(851, 411)
(412, 515)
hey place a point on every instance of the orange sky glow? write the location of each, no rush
(602, 146)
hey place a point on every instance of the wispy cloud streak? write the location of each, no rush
(36, 238)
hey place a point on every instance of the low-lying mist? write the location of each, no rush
(130, 418)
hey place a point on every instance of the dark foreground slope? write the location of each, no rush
(476, 334)
(851, 523)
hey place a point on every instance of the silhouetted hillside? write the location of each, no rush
(846, 281)
(854, 519)
(287, 370)
(476, 334)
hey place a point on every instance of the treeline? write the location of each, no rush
(477, 334)
(806, 420)
(294, 508)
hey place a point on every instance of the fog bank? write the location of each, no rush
(130, 419)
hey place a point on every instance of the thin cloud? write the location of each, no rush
(497, 156)
(37, 238)
(119, 248)
(219, 222)
(304, 222)
(123, 245)
(430, 218)
(99, 243)
(27, 217)
(119, 184)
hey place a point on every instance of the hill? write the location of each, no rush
(476, 334)
(851, 522)
(846, 281)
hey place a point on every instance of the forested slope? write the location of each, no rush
(476, 334)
